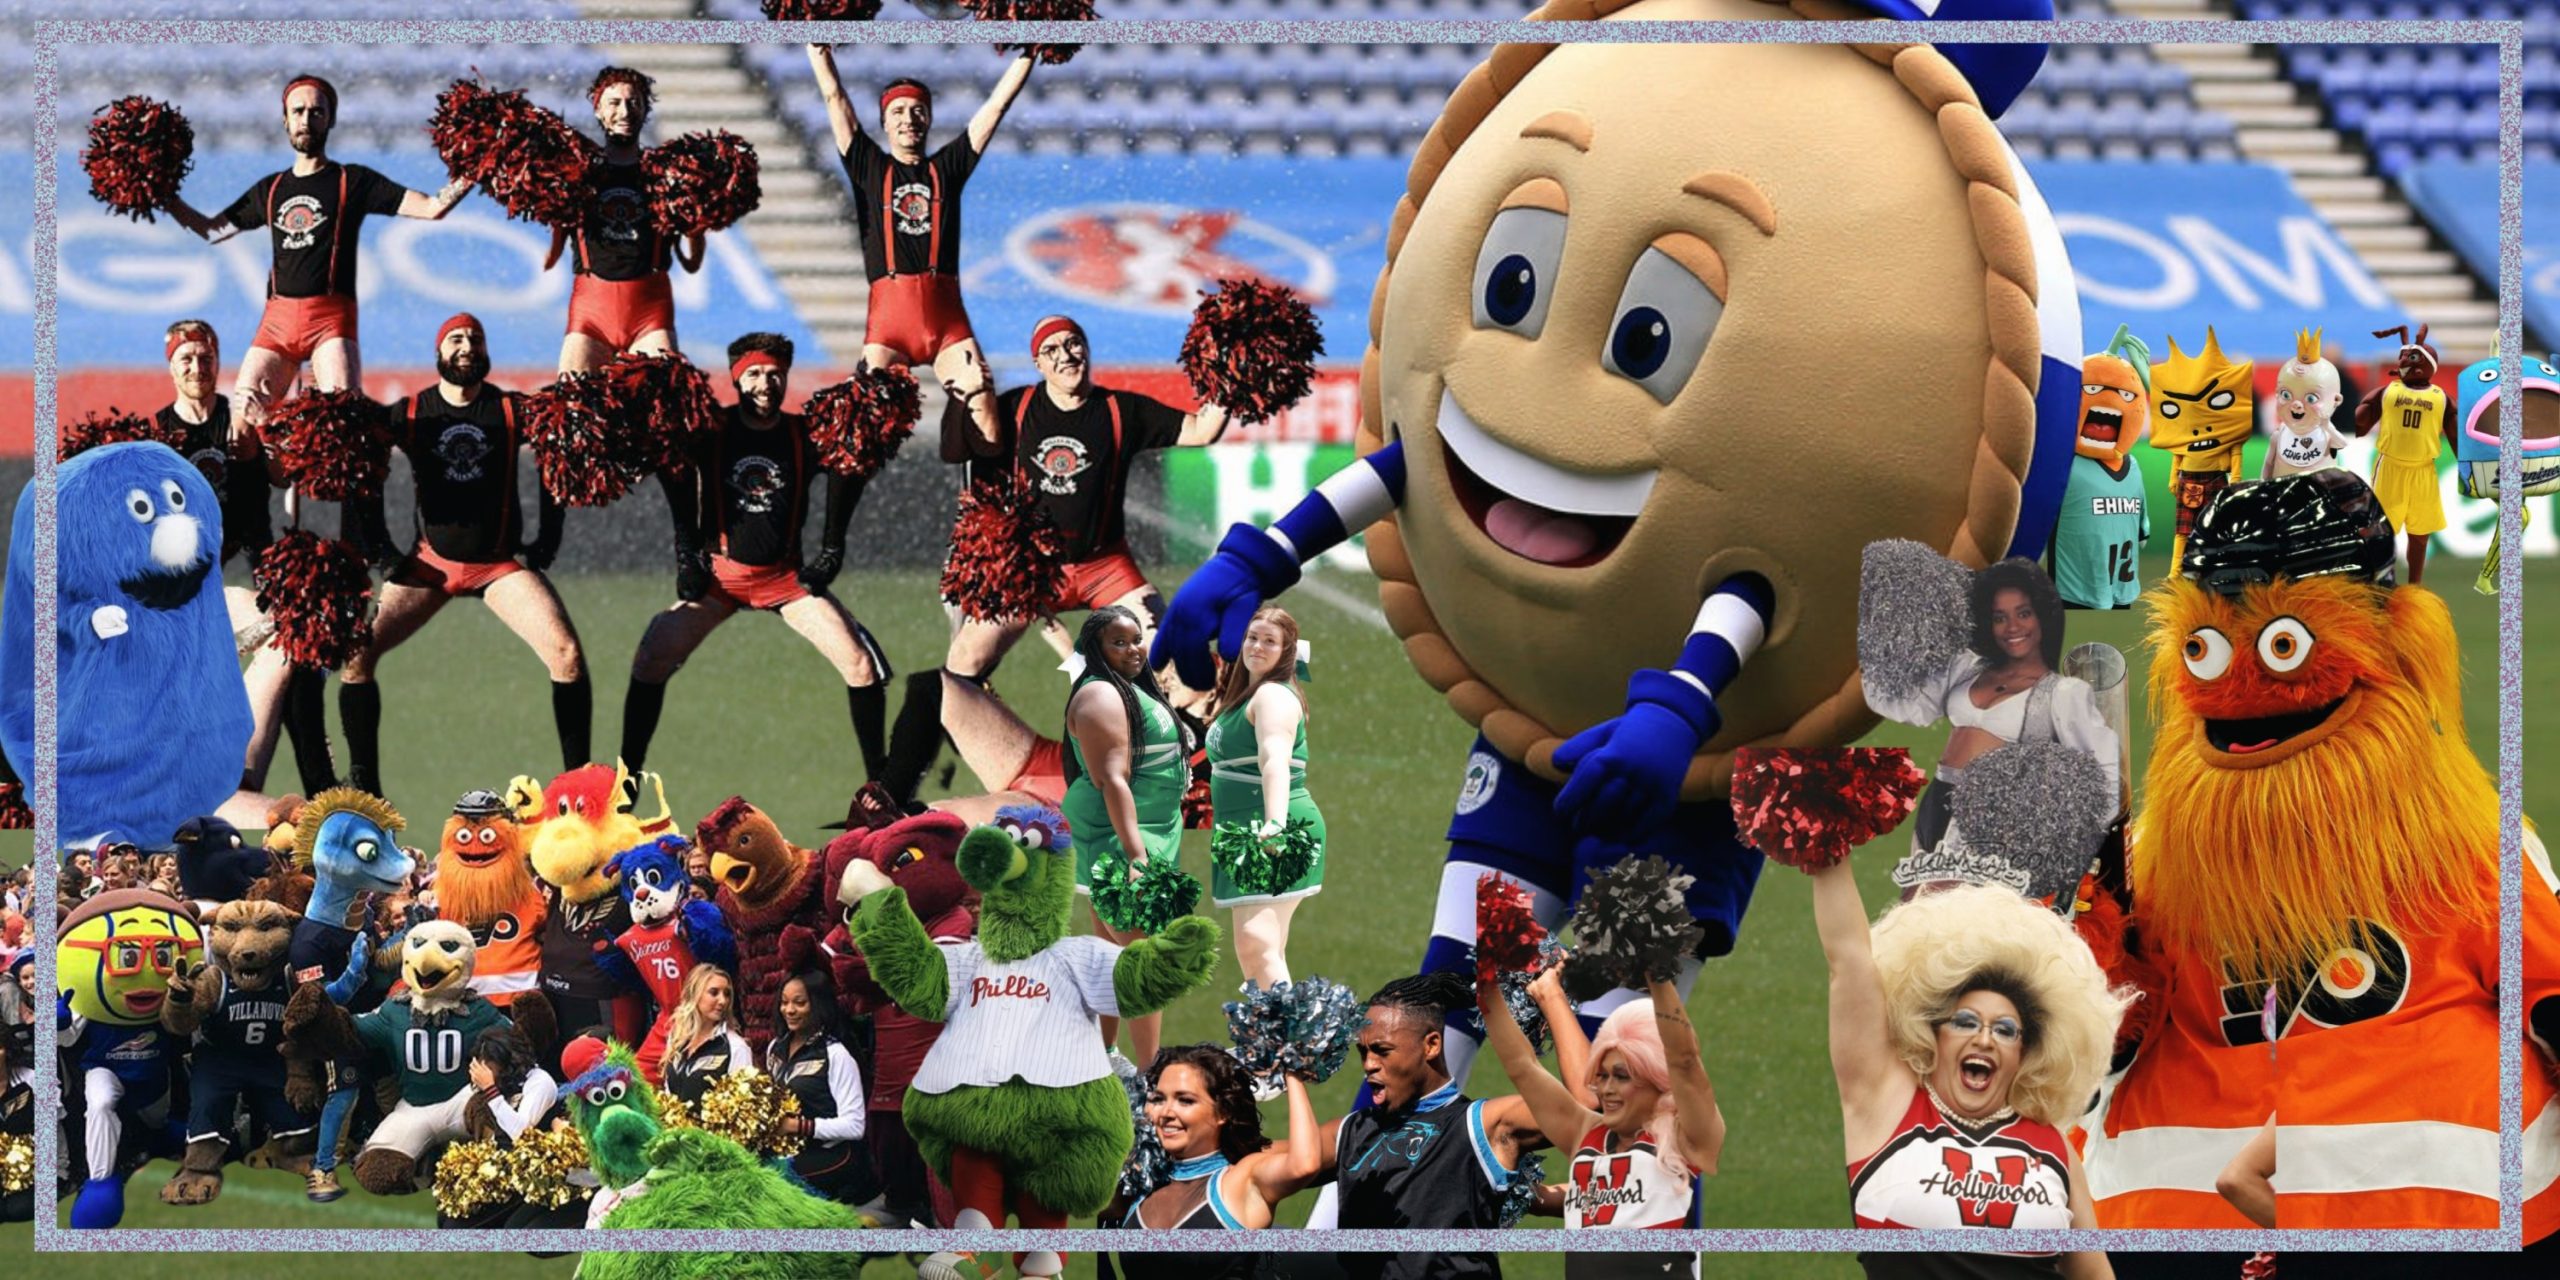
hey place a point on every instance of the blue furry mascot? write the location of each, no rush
(152, 719)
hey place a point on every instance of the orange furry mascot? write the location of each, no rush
(2317, 860)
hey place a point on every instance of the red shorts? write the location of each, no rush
(295, 327)
(424, 568)
(618, 313)
(756, 586)
(916, 316)
(1044, 775)
(1099, 579)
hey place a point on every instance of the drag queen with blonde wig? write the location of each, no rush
(1968, 1027)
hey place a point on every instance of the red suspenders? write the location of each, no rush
(889, 216)
(331, 284)
(1111, 474)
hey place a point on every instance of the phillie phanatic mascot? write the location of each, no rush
(1640, 306)
(150, 718)
(1016, 1107)
(2319, 845)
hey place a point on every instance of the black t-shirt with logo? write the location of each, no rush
(618, 240)
(464, 460)
(1077, 464)
(314, 219)
(755, 488)
(240, 482)
(923, 199)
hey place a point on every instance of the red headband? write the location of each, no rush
(460, 320)
(190, 333)
(1043, 331)
(897, 91)
(328, 92)
(753, 359)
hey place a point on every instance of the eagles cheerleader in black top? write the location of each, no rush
(811, 1054)
(702, 1043)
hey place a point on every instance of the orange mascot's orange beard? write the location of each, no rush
(481, 869)
(2266, 831)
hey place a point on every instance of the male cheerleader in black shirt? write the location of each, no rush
(738, 514)
(314, 211)
(461, 437)
(620, 298)
(907, 207)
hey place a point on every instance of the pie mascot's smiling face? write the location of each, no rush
(1656, 315)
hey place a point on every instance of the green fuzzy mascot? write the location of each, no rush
(1016, 1107)
(659, 1177)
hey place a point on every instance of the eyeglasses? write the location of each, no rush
(1058, 352)
(127, 956)
(2004, 1028)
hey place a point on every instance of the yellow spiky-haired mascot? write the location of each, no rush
(2202, 412)
(2314, 890)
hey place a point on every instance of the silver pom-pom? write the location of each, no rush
(1914, 616)
(2039, 810)
(1521, 1193)
(1148, 1167)
(1302, 1029)
(1631, 926)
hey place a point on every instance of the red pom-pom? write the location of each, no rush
(14, 813)
(1199, 810)
(821, 10)
(1252, 348)
(1007, 560)
(1034, 11)
(575, 445)
(139, 150)
(525, 156)
(2260, 1266)
(859, 423)
(1808, 807)
(701, 182)
(332, 445)
(654, 403)
(112, 427)
(1508, 934)
(316, 590)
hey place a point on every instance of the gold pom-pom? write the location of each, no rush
(749, 1108)
(471, 1179)
(17, 1163)
(540, 1163)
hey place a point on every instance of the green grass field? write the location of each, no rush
(756, 714)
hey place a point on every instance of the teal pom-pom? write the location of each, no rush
(1264, 866)
(1521, 1193)
(1162, 893)
(1303, 1028)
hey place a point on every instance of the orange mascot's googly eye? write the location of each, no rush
(2284, 645)
(2208, 653)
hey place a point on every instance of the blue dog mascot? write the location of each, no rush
(150, 715)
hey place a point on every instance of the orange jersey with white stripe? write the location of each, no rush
(2201, 1086)
(509, 959)
(2542, 1042)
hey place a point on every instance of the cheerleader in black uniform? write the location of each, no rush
(703, 1044)
(811, 1054)
(1226, 1175)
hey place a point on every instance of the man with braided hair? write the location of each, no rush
(738, 511)
(619, 298)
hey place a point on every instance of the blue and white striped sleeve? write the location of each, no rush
(1349, 500)
(1729, 629)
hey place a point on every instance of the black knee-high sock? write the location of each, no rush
(573, 713)
(306, 726)
(360, 712)
(917, 739)
(870, 706)
(640, 707)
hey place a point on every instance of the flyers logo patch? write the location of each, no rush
(2365, 979)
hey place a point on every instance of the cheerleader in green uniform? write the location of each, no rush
(1258, 775)
(1127, 767)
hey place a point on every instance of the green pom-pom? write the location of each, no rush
(1264, 866)
(1162, 893)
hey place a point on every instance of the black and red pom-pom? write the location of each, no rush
(654, 403)
(859, 423)
(821, 10)
(1252, 348)
(332, 445)
(316, 589)
(701, 182)
(1034, 11)
(14, 813)
(1007, 560)
(575, 444)
(1508, 934)
(111, 427)
(139, 151)
(524, 155)
(1808, 807)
